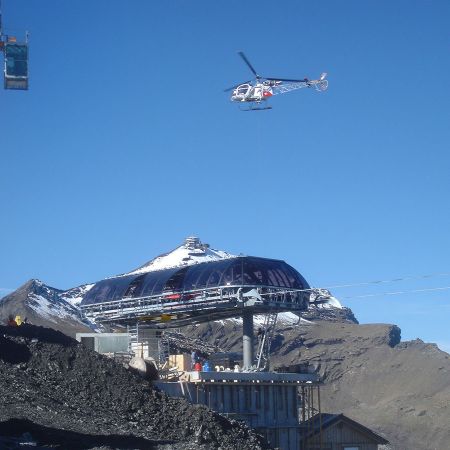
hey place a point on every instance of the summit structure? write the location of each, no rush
(192, 251)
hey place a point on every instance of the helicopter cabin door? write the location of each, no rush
(16, 65)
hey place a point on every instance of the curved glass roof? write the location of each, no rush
(239, 271)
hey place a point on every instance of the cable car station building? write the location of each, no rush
(195, 284)
(227, 287)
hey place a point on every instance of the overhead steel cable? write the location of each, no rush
(411, 291)
(392, 280)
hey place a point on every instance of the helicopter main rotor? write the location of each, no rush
(258, 77)
(241, 54)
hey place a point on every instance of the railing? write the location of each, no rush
(196, 302)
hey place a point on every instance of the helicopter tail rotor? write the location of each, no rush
(322, 85)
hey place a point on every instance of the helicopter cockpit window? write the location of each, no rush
(242, 90)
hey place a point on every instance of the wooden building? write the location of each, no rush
(337, 432)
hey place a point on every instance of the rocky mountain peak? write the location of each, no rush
(42, 305)
(35, 286)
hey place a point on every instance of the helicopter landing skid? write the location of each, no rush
(255, 108)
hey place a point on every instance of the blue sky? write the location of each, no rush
(125, 144)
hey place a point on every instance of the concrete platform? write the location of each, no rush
(269, 402)
(253, 377)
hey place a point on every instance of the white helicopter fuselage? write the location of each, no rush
(259, 89)
(249, 93)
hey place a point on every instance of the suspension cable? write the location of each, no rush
(411, 291)
(392, 280)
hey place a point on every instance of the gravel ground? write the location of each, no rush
(69, 397)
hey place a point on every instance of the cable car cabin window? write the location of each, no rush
(16, 66)
(16, 56)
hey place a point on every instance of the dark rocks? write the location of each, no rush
(53, 387)
(394, 336)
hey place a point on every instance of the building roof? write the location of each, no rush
(326, 420)
(235, 271)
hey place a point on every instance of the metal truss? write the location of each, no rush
(264, 340)
(173, 309)
(319, 85)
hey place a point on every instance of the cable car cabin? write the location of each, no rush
(16, 65)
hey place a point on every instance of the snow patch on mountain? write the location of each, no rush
(75, 295)
(322, 298)
(52, 311)
(193, 251)
(332, 302)
(284, 318)
(48, 303)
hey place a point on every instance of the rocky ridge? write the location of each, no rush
(401, 390)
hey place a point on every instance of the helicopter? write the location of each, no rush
(252, 93)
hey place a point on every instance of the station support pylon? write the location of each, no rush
(247, 339)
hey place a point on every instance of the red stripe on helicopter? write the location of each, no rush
(267, 94)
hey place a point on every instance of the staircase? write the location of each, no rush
(163, 349)
(133, 333)
(265, 336)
